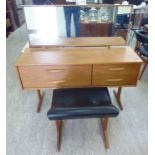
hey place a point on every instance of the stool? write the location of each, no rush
(81, 103)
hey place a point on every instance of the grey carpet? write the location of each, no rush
(30, 133)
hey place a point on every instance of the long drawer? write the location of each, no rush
(55, 76)
(115, 74)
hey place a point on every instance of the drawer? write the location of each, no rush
(55, 76)
(115, 74)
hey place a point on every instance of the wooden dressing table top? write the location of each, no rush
(78, 56)
(78, 42)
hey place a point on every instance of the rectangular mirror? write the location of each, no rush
(46, 24)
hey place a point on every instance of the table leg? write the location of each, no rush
(40, 96)
(118, 97)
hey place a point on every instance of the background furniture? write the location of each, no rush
(18, 11)
(121, 27)
(59, 1)
(142, 48)
(97, 20)
(14, 14)
(61, 67)
(82, 103)
(123, 32)
(9, 20)
(95, 29)
(143, 26)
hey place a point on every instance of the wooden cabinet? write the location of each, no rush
(95, 29)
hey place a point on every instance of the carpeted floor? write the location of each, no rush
(30, 133)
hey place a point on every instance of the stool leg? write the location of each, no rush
(59, 129)
(104, 123)
(118, 97)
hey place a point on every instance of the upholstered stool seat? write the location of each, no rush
(80, 103)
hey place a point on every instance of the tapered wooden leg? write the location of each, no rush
(40, 96)
(59, 129)
(104, 123)
(118, 97)
(144, 67)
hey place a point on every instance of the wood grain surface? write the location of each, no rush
(78, 56)
(77, 42)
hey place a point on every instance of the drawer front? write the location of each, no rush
(115, 74)
(55, 76)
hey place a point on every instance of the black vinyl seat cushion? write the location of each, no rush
(77, 103)
(143, 49)
(142, 36)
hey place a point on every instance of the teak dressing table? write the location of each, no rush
(81, 63)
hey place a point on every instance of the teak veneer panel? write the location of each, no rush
(115, 74)
(55, 76)
(78, 56)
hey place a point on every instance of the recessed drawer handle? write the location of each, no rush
(55, 70)
(113, 80)
(57, 82)
(116, 69)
